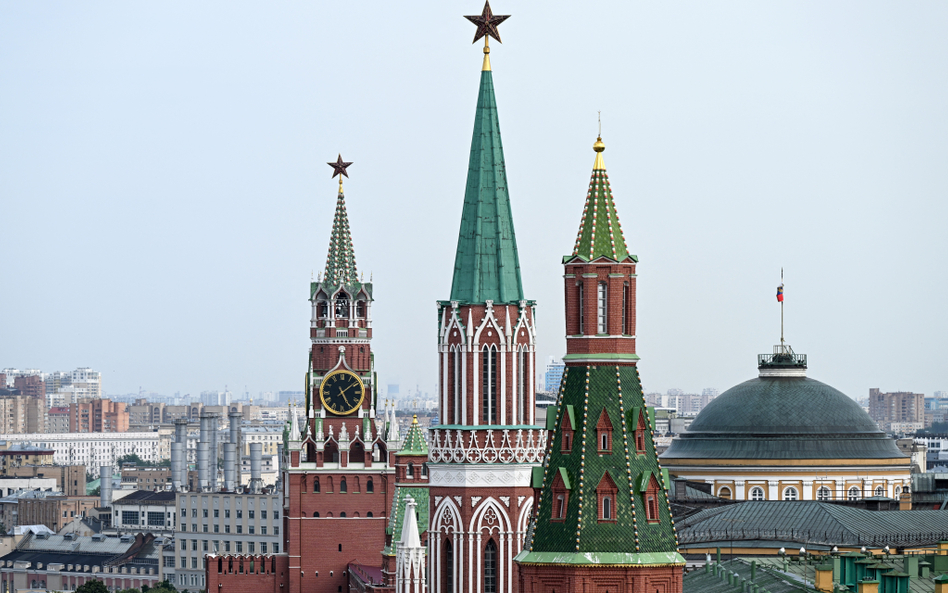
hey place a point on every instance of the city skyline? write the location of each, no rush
(165, 179)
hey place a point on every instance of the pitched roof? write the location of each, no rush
(600, 232)
(414, 443)
(814, 522)
(486, 265)
(340, 263)
(581, 537)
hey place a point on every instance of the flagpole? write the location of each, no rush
(782, 347)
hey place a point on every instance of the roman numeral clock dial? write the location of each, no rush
(342, 392)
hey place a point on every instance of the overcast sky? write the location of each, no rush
(164, 195)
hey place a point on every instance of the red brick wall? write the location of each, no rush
(231, 574)
(593, 579)
(616, 276)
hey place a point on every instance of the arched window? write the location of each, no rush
(560, 511)
(342, 306)
(369, 486)
(724, 493)
(316, 514)
(853, 493)
(602, 302)
(489, 385)
(757, 493)
(606, 508)
(898, 490)
(447, 586)
(369, 514)
(879, 491)
(790, 493)
(490, 567)
(582, 313)
(360, 309)
(410, 472)
(823, 493)
(315, 484)
(522, 386)
(342, 514)
(342, 485)
(651, 508)
(322, 309)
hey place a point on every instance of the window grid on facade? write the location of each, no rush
(790, 493)
(757, 493)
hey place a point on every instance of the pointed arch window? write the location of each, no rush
(606, 493)
(489, 385)
(639, 428)
(322, 309)
(582, 309)
(342, 305)
(648, 486)
(447, 584)
(604, 433)
(560, 490)
(360, 309)
(602, 309)
(521, 385)
(490, 567)
(457, 385)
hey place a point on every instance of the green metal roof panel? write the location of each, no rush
(486, 264)
(581, 535)
(565, 476)
(397, 519)
(537, 478)
(600, 232)
(414, 443)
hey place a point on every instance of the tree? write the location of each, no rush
(93, 586)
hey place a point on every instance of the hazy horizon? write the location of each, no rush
(166, 198)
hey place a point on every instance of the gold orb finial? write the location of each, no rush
(599, 146)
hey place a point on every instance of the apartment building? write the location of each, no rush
(98, 415)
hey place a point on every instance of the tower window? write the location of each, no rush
(342, 485)
(606, 493)
(582, 309)
(601, 308)
(457, 387)
(560, 498)
(315, 484)
(521, 385)
(651, 508)
(489, 385)
(490, 567)
(625, 309)
(604, 433)
(342, 306)
(448, 584)
(410, 472)
(369, 486)
(606, 508)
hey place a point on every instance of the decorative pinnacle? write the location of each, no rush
(599, 164)
(487, 23)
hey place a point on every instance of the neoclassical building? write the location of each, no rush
(784, 436)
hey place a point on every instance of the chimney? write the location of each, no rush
(176, 462)
(213, 453)
(105, 486)
(256, 455)
(202, 457)
(230, 450)
(235, 418)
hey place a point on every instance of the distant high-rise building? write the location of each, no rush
(900, 410)
(20, 414)
(553, 375)
(98, 415)
(30, 385)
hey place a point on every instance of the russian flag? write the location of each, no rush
(780, 293)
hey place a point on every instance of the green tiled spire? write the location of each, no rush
(486, 266)
(414, 443)
(593, 398)
(600, 233)
(341, 261)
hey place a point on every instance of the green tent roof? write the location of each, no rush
(600, 232)
(486, 265)
(341, 263)
(580, 536)
(414, 443)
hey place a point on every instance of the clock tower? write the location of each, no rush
(339, 467)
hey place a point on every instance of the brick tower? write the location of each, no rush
(339, 473)
(483, 453)
(602, 519)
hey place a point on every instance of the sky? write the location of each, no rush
(165, 198)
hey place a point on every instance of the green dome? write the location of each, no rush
(783, 418)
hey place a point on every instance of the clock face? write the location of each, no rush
(342, 392)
